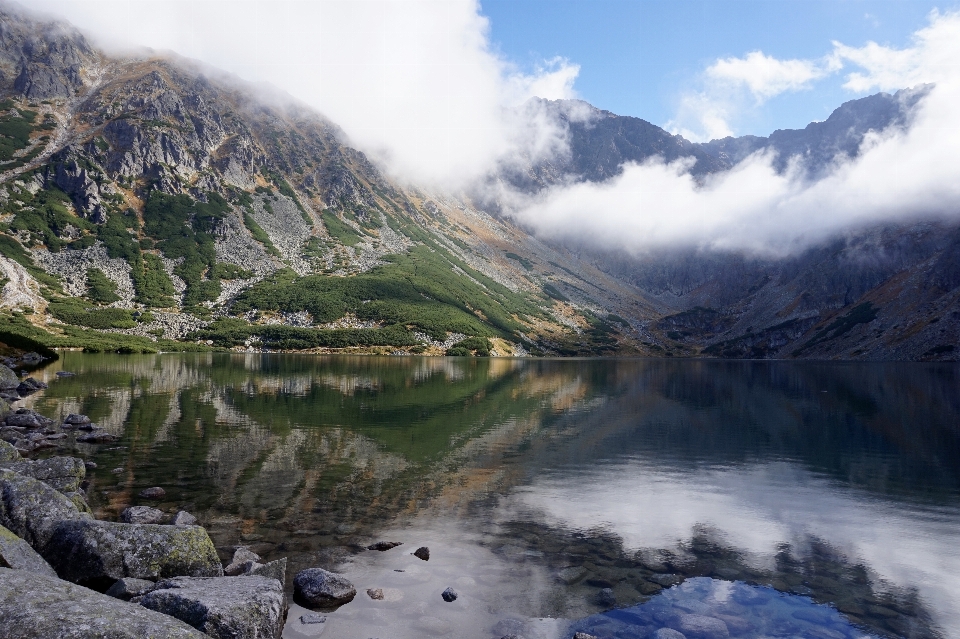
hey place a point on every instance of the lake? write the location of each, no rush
(614, 497)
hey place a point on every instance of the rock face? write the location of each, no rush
(223, 607)
(35, 606)
(61, 473)
(318, 587)
(17, 554)
(142, 515)
(32, 510)
(99, 552)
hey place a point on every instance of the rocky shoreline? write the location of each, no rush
(65, 574)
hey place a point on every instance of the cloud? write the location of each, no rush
(766, 76)
(413, 82)
(899, 176)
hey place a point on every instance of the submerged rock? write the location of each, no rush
(100, 552)
(449, 595)
(142, 515)
(32, 510)
(223, 607)
(153, 493)
(129, 587)
(17, 554)
(702, 627)
(668, 633)
(319, 587)
(183, 518)
(35, 606)
(375, 593)
(422, 553)
(61, 473)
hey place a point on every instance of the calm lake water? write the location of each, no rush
(741, 499)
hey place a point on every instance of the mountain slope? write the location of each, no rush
(152, 199)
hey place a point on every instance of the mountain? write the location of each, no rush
(148, 202)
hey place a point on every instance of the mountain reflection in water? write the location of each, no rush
(550, 491)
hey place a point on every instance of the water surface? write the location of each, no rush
(613, 496)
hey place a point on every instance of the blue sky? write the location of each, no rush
(640, 57)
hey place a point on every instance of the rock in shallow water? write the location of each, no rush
(449, 595)
(703, 627)
(241, 556)
(223, 607)
(422, 553)
(34, 606)
(319, 587)
(17, 554)
(8, 452)
(183, 518)
(153, 493)
(100, 552)
(375, 593)
(383, 546)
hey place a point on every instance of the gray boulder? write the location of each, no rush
(35, 606)
(319, 587)
(17, 554)
(32, 510)
(142, 515)
(8, 452)
(60, 473)
(76, 420)
(8, 379)
(100, 552)
(223, 607)
(129, 587)
(97, 437)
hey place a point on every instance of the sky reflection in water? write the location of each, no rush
(538, 484)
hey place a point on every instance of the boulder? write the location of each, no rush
(142, 515)
(8, 379)
(32, 510)
(383, 546)
(60, 473)
(17, 554)
(422, 553)
(449, 595)
(36, 606)
(30, 386)
(98, 553)
(223, 607)
(319, 587)
(129, 587)
(8, 452)
(183, 518)
(76, 420)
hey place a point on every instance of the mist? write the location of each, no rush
(416, 84)
(898, 176)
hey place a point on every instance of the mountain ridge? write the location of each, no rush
(146, 203)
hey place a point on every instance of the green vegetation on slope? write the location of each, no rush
(101, 288)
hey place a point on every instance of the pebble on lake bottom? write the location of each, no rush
(375, 593)
(312, 618)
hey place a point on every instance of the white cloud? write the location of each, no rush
(415, 82)
(766, 76)
(899, 176)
